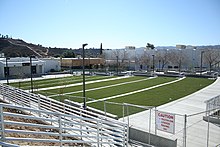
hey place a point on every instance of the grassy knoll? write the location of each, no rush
(157, 96)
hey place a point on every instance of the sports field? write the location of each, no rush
(145, 91)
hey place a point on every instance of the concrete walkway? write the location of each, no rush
(197, 128)
(37, 78)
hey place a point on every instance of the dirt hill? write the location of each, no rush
(19, 48)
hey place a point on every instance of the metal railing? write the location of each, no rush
(211, 107)
(88, 127)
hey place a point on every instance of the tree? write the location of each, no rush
(145, 60)
(68, 54)
(211, 56)
(177, 57)
(163, 59)
(150, 46)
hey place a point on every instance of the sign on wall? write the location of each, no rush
(165, 122)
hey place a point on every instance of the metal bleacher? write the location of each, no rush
(86, 127)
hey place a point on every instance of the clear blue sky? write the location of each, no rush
(114, 23)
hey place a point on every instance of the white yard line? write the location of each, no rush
(78, 84)
(104, 87)
(137, 91)
(62, 81)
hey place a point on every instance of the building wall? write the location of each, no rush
(1, 70)
(51, 64)
(20, 67)
(78, 62)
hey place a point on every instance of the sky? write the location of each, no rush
(114, 23)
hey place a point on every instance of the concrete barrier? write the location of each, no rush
(143, 137)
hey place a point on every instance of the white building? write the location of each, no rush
(19, 67)
(51, 64)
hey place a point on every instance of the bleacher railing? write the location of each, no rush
(87, 127)
(212, 107)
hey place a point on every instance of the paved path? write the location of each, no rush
(137, 91)
(196, 127)
(37, 78)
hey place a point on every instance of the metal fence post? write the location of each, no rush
(98, 133)
(206, 108)
(2, 123)
(50, 114)
(128, 114)
(29, 100)
(184, 131)
(123, 113)
(38, 104)
(104, 107)
(60, 129)
(128, 122)
(81, 125)
(149, 127)
(155, 120)
(124, 138)
(208, 130)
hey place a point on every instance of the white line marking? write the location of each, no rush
(137, 91)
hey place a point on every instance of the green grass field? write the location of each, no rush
(55, 81)
(157, 96)
(101, 90)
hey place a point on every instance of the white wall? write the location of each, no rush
(51, 63)
(17, 69)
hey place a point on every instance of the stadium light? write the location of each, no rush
(7, 69)
(153, 63)
(84, 86)
(201, 63)
(31, 73)
(117, 65)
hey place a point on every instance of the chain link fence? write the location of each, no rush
(198, 129)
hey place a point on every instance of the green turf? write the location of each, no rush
(153, 97)
(55, 81)
(89, 86)
(157, 96)
(121, 89)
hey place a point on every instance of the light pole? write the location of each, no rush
(153, 63)
(159, 65)
(117, 64)
(31, 73)
(193, 59)
(201, 62)
(89, 63)
(180, 60)
(180, 64)
(84, 85)
(7, 69)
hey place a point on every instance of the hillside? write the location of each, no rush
(19, 48)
